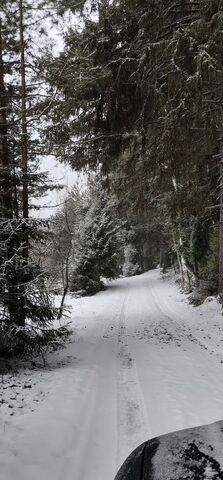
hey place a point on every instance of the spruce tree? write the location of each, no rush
(26, 307)
(99, 252)
(141, 92)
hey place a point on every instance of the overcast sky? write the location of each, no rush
(59, 173)
(62, 175)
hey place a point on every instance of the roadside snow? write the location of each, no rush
(143, 362)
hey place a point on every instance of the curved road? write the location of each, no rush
(143, 363)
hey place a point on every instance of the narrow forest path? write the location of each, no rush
(142, 363)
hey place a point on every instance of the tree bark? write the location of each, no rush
(24, 138)
(65, 274)
(179, 259)
(65, 278)
(5, 166)
(10, 296)
(24, 162)
(220, 276)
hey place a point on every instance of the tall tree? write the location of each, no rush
(25, 305)
(24, 136)
(141, 96)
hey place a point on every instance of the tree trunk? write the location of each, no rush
(179, 259)
(10, 296)
(65, 274)
(220, 277)
(24, 164)
(5, 166)
(24, 139)
(65, 278)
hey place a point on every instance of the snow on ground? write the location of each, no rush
(142, 363)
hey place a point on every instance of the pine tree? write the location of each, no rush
(100, 248)
(26, 309)
(141, 91)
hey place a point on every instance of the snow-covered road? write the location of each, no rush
(143, 363)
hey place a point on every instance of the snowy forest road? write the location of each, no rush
(143, 363)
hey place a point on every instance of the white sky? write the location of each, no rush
(60, 174)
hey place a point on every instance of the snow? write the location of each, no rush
(143, 362)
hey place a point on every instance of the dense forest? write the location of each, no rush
(133, 99)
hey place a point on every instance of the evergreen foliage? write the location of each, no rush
(142, 95)
(131, 266)
(26, 307)
(136, 94)
(90, 221)
(209, 273)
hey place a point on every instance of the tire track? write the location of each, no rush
(131, 411)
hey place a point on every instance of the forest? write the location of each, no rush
(132, 98)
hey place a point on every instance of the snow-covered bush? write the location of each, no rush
(30, 339)
(130, 266)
